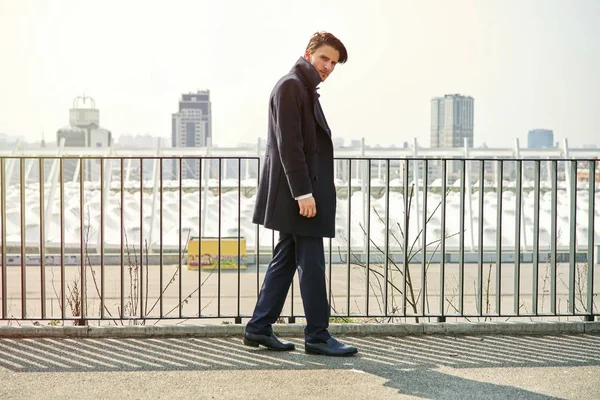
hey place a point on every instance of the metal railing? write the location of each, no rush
(130, 240)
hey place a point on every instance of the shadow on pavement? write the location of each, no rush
(410, 364)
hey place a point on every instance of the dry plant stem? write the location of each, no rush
(74, 298)
(487, 293)
(88, 261)
(413, 298)
(147, 283)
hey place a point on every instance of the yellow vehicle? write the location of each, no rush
(205, 253)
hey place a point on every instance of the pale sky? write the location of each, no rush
(527, 63)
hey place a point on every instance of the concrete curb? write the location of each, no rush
(297, 330)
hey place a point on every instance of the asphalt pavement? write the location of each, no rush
(420, 366)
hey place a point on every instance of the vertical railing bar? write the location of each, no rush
(480, 234)
(405, 269)
(536, 237)
(160, 239)
(3, 188)
(84, 244)
(517, 271)
(61, 178)
(329, 294)
(499, 188)
(591, 237)
(42, 241)
(102, 286)
(23, 240)
(573, 237)
(461, 245)
(553, 236)
(200, 233)
(179, 217)
(257, 241)
(291, 295)
(141, 263)
(122, 194)
(329, 291)
(387, 236)
(368, 249)
(424, 234)
(349, 229)
(443, 244)
(219, 239)
(239, 250)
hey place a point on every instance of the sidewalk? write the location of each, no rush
(428, 366)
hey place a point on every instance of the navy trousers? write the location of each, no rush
(306, 254)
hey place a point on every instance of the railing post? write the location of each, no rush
(155, 193)
(591, 238)
(3, 246)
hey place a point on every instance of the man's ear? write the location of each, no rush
(307, 55)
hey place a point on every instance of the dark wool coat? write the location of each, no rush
(298, 158)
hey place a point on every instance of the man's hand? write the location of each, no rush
(308, 207)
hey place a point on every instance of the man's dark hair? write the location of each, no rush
(327, 39)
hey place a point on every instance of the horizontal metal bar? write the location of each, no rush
(149, 156)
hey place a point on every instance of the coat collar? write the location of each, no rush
(307, 73)
(311, 78)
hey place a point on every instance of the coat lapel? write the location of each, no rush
(320, 117)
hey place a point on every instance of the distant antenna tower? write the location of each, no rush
(83, 99)
(84, 117)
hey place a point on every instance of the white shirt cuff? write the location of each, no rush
(304, 196)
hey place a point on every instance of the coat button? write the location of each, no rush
(316, 178)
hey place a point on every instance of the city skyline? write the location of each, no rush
(452, 120)
(525, 69)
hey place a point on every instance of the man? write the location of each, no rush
(297, 197)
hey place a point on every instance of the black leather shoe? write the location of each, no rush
(330, 348)
(271, 342)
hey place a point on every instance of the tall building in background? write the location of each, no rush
(84, 126)
(540, 139)
(84, 130)
(191, 126)
(452, 121)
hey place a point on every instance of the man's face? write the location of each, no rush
(324, 59)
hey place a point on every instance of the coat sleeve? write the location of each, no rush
(287, 112)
